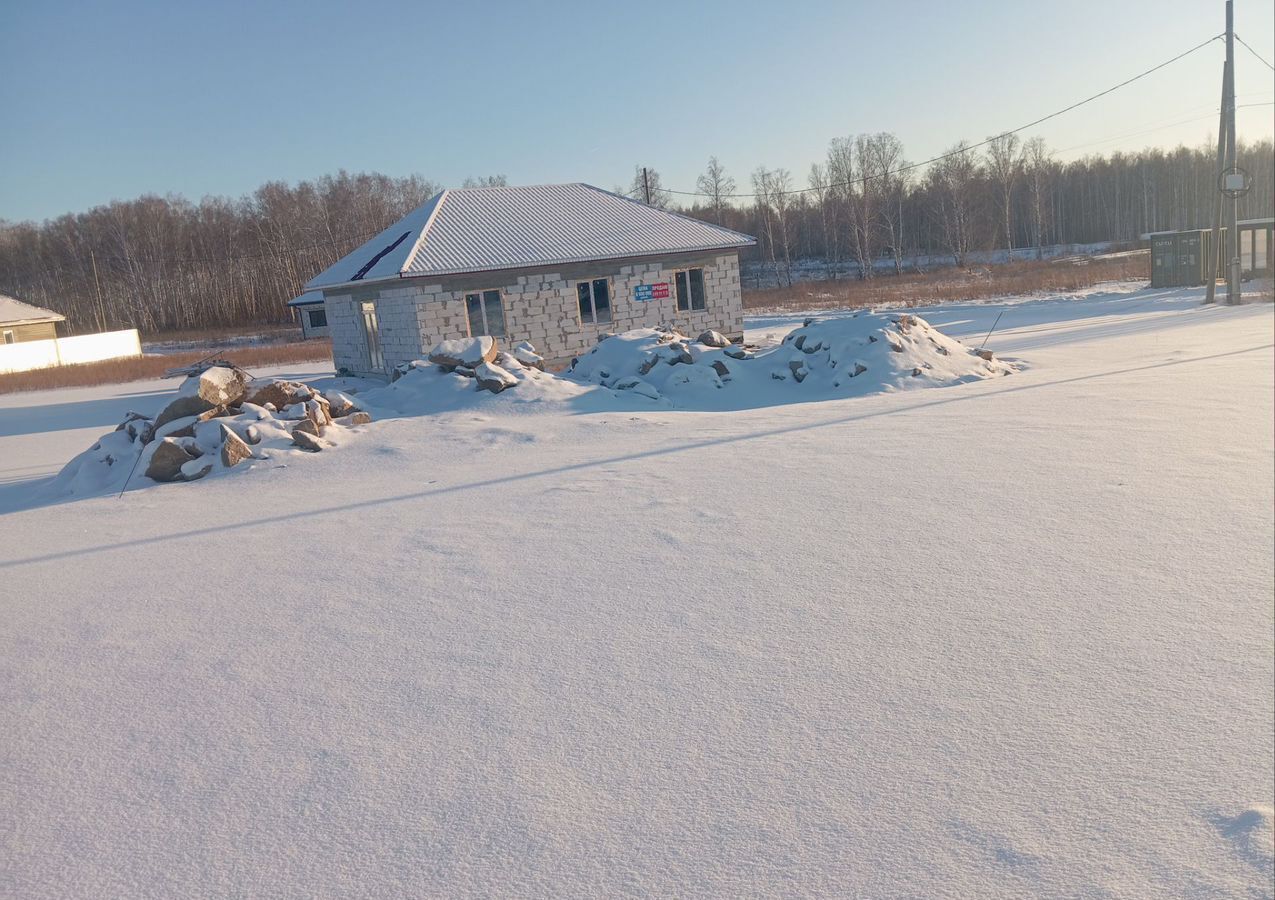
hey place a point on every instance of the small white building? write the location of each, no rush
(556, 265)
(310, 310)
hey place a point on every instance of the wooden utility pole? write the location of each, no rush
(97, 287)
(1224, 255)
(1232, 207)
(1213, 265)
(646, 182)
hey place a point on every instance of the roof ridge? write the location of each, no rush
(668, 212)
(518, 187)
(439, 199)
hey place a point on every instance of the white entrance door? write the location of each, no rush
(372, 337)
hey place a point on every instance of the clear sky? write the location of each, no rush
(100, 101)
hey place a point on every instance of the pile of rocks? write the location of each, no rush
(218, 416)
(481, 359)
(891, 346)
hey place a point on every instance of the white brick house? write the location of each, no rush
(555, 265)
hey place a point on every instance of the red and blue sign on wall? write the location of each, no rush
(645, 292)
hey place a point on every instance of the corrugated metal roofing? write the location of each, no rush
(485, 229)
(15, 312)
(309, 298)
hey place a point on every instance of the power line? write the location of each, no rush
(1156, 127)
(1255, 53)
(963, 150)
(327, 245)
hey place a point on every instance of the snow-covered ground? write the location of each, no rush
(1003, 638)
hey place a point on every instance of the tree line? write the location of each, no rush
(166, 263)
(865, 206)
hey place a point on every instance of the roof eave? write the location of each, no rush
(470, 270)
(43, 320)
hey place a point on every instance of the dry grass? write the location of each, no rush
(117, 371)
(950, 285)
(272, 333)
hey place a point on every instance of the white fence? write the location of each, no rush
(67, 351)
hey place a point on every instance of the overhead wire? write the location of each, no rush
(1259, 56)
(967, 149)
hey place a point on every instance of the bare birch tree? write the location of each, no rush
(647, 188)
(1004, 165)
(716, 185)
(1039, 164)
(953, 181)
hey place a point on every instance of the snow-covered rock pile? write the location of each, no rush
(860, 354)
(660, 361)
(889, 349)
(479, 358)
(456, 370)
(219, 419)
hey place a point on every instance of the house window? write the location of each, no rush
(486, 315)
(595, 301)
(318, 318)
(690, 289)
(8, 337)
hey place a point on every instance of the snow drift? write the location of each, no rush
(825, 359)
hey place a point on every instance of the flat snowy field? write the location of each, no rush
(1003, 639)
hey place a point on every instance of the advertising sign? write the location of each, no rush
(647, 292)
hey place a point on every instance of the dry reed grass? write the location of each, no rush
(138, 368)
(950, 285)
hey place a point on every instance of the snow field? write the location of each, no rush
(1008, 638)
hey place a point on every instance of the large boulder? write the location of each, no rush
(305, 426)
(317, 412)
(167, 460)
(196, 469)
(219, 386)
(527, 356)
(713, 339)
(279, 394)
(306, 441)
(340, 404)
(181, 408)
(468, 352)
(233, 448)
(358, 417)
(491, 377)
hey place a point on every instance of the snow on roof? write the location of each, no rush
(309, 298)
(15, 312)
(484, 229)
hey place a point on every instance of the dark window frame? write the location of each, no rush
(484, 299)
(587, 305)
(685, 286)
(311, 313)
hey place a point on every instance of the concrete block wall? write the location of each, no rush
(346, 329)
(540, 307)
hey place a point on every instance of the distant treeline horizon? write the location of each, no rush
(167, 263)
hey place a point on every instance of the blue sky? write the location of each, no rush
(112, 100)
